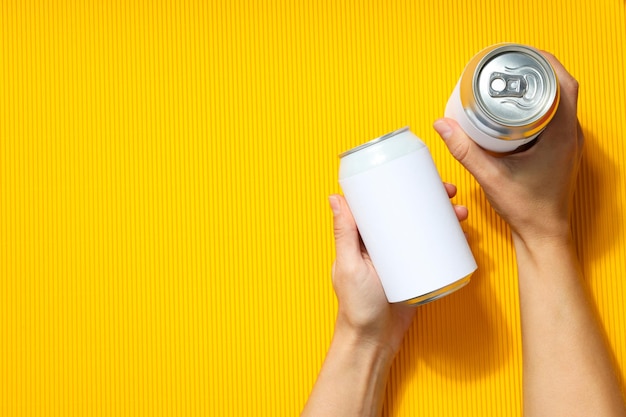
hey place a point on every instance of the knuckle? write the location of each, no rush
(459, 151)
(570, 86)
(344, 269)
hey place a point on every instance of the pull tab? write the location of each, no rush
(506, 85)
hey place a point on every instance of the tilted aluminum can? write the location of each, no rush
(405, 218)
(506, 96)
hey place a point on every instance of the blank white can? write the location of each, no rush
(405, 218)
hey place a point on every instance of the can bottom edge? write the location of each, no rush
(441, 292)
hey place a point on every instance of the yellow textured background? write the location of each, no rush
(165, 240)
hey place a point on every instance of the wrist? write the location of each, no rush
(547, 231)
(548, 261)
(353, 378)
(541, 243)
(364, 344)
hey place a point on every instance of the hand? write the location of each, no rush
(531, 190)
(363, 308)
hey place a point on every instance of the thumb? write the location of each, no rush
(347, 240)
(462, 147)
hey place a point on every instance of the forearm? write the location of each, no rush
(567, 365)
(352, 380)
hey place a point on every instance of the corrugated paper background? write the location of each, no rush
(165, 238)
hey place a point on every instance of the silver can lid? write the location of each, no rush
(515, 87)
(514, 91)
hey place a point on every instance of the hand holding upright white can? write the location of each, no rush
(405, 218)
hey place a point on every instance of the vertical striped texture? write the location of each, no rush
(165, 241)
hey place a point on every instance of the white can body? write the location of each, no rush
(405, 218)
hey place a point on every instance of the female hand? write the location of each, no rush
(531, 190)
(363, 308)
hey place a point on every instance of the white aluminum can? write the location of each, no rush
(506, 96)
(405, 218)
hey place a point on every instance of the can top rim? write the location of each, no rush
(374, 141)
(550, 94)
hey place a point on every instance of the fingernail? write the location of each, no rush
(443, 128)
(335, 206)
